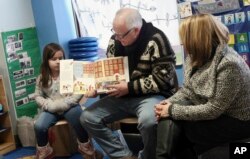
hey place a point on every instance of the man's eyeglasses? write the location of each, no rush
(121, 36)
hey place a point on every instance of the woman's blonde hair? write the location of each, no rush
(200, 35)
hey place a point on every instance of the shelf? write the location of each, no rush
(7, 140)
(3, 113)
(4, 129)
(7, 147)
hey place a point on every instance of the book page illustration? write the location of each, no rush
(111, 71)
(84, 77)
(83, 85)
(79, 77)
(66, 76)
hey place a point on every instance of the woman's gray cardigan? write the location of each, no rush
(221, 86)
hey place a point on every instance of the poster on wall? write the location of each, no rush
(23, 60)
(97, 21)
(235, 14)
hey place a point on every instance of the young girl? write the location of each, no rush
(56, 106)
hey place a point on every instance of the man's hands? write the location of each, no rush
(91, 94)
(118, 90)
(161, 109)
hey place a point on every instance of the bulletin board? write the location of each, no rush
(235, 14)
(23, 60)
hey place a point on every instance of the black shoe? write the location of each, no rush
(129, 157)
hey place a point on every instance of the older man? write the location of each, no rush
(152, 79)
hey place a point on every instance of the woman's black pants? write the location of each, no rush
(174, 138)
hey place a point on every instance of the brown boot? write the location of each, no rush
(44, 152)
(88, 152)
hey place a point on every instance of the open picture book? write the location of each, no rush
(79, 77)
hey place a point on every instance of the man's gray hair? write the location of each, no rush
(133, 19)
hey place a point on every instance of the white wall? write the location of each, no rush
(14, 15)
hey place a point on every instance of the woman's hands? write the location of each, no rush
(161, 109)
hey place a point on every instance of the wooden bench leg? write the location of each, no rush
(62, 139)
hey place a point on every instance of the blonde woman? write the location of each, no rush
(213, 106)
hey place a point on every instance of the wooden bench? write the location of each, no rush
(62, 139)
(131, 134)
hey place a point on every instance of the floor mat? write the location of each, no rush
(28, 157)
(21, 153)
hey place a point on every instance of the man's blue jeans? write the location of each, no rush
(110, 109)
(47, 119)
